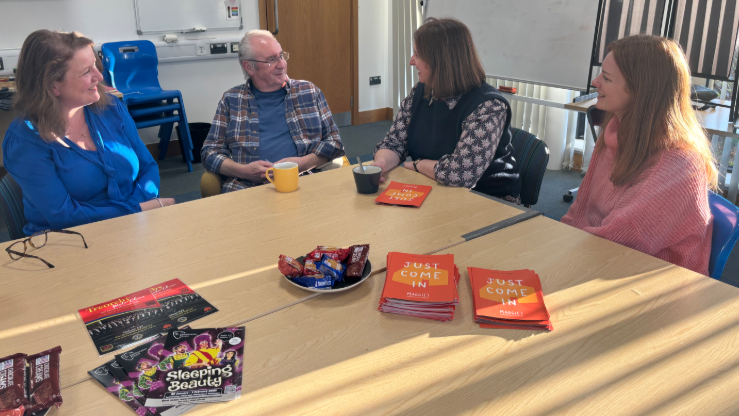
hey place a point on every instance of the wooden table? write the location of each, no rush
(715, 121)
(632, 335)
(226, 248)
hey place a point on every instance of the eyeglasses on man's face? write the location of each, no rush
(273, 60)
(17, 250)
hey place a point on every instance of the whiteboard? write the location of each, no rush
(547, 42)
(167, 16)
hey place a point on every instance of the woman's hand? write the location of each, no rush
(154, 203)
(409, 166)
(382, 165)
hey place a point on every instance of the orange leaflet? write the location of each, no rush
(404, 194)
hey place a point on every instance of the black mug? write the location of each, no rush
(368, 182)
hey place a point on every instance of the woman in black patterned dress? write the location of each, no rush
(453, 125)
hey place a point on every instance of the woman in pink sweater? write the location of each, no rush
(652, 167)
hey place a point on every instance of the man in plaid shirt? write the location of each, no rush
(270, 119)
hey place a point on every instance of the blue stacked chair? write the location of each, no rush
(131, 67)
(725, 232)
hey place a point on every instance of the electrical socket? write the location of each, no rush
(202, 49)
(235, 47)
(375, 80)
(216, 48)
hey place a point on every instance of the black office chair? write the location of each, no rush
(11, 207)
(595, 118)
(532, 156)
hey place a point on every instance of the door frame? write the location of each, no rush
(264, 13)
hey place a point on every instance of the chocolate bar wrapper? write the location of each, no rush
(121, 389)
(117, 371)
(315, 281)
(336, 253)
(332, 267)
(13, 382)
(357, 260)
(18, 411)
(201, 366)
(289, 266)
(44, 388)
(311, 268)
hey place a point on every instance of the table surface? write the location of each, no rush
(226, 248)
(632, 334)
(9, 84)
(715, 121)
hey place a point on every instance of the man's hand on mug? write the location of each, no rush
(380, 164)
(256, 171)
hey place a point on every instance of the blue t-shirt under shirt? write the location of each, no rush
(275, 142)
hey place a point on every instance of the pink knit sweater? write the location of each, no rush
(664, 213)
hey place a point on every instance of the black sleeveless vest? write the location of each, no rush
(434, 131)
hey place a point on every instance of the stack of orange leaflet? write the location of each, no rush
(508, 299)
(424, 286)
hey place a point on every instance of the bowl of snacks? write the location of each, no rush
(328, 269)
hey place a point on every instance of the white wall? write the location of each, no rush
(374, 26)
(202, 83)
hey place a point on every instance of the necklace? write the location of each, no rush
(81, 134)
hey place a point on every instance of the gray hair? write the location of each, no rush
(246, 52)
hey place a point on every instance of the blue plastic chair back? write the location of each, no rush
(131, 65)
(725, 232)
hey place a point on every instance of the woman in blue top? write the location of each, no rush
(77, 157)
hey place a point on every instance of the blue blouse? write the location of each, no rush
(68, 186)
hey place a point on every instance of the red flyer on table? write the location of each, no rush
(142, 315)
(403, 194)
(508, 299)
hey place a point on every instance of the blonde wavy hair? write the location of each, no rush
(43, 60)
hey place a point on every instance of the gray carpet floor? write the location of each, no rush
(184, 186)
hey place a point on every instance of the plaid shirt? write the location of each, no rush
(234, 133)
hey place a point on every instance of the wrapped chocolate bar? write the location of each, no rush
(332, 267)
(357, 259)
(18, 411)
(13, 384)
(289, 266)
(121, 389)
(43, 380)
(311, 268)
(336, 253)
(315, 281)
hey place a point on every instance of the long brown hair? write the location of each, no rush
(446, 46)
(660, 117)
(44, 60)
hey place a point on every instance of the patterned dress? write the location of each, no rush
(481, 133)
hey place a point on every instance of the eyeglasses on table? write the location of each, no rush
(36, 240)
